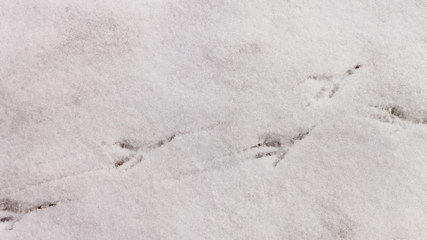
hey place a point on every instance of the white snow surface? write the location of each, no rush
(197, 119)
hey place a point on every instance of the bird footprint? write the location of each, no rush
(329, 84)
(12, 211)
(276, 145)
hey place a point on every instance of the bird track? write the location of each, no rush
(331, 82)
(12, 211)
(136, 149)
(396, 115)
(277, 145)
(134, 156)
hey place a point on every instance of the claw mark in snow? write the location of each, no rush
(13, 210)
(396, 114)
(277, 145)
(331, 83)
(163, 141)
(137, 149)
(127, 145)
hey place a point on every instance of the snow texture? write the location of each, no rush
(197, 119)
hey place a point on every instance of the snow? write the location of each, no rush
(197, 119)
